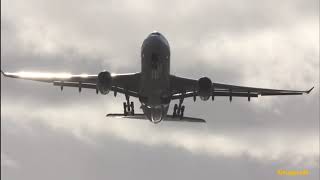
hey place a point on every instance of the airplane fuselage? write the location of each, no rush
(155, 77)
(154, 86)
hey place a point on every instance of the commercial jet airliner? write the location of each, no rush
(154, 85)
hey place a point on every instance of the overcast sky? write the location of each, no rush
(48, 134)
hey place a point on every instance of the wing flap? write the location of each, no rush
(75, 84)
(214, 93)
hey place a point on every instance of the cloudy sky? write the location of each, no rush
(48, 134)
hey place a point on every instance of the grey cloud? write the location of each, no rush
(55, 153)
(246, 42)
(7, 162)
(262, 145)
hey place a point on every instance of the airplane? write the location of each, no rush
(154, 86)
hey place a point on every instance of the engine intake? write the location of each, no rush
(204, 88)
(104, 82)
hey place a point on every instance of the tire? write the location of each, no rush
(175, 110)
(128, 108)
(125, 109)
(182, 112)
(182, 109)
(132, 108)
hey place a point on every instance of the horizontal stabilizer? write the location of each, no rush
(184, 119)
(135, 116)
(167, 118)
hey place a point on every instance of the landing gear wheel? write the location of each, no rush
(175, 110)
(182, 111)
(125, 109)
(128, 107)
(132, 108)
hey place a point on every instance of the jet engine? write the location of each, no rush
(204, 88)
(104, 82)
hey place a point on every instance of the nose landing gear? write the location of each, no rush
(178, 110)
(128, 107)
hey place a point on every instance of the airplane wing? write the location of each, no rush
(167, 118)
(183, 87)
(122, 83)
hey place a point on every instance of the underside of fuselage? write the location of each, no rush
(155, 72)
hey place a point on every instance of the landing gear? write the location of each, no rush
(175, 110)
(132, 108)
(128, 107)
(181, 112)
(178, 110)
(125, 109)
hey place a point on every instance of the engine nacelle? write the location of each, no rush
(104, 82)
(204, 88)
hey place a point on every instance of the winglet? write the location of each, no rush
(309, 90)
(3, 73)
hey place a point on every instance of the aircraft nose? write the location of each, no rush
(156, 39)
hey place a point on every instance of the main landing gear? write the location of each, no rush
(128, 107)
(178, 110)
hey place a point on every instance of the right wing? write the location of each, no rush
(122, 83)
(183, 88)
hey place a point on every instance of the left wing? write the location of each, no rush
(122, 83)
(183, 87)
